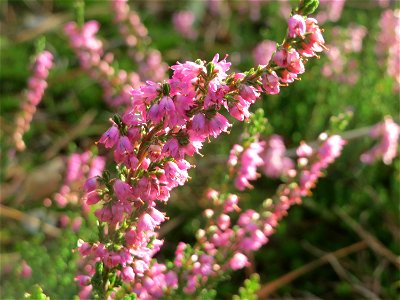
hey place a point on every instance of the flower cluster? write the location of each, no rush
(36, 87)
(330, 10)
(79, 167)
(224, 245)
(276, 163)
(150, 141)
(346, 41)
(249, 161)
(136, 37)
(388, 131)
(388, 46)
(98, 65)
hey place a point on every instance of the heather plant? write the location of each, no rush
(221, 217)
(166, 123)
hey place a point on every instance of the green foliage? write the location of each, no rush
(53, 264)
(249, 289)
(256, 126)
(36, 293)
(308, 7)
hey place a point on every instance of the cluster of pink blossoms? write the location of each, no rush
(388, 46)
(345, 43)
(270, 155)
(136, 37)
(164, 124)
(249, 161)
(330, 10)
(388, 131)
(88, 48)
(36, 86)
(194, 267)
(80, 167)
(276, 163)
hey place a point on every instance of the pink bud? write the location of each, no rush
(304, 150)
(223, 221)
(238, 261)
(83, 280)
(26, 270)
(92, 198)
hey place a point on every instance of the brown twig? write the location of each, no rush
(344, 274)
(21, 216)
(351, 279)
(372, 241)
(272, 286)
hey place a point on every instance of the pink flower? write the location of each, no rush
(140, 267)
(248, 93)
(157, 216)
(127, 274)
(249, 161)
(330, 10)
(271, 83)
(217, 125)
(331, 149)
(146, 223)
(276, 163)
(90, 184)
(171, 279)
(230, 203)
(84, 248)
(223, 221)
(262, 53)
(304, 150)
(123, 190)
(297, 26)
(314, 41)
(83, 280)
(199, 123)
(103, 214)
(281, 58)
(110, 137)
(174, 173)
(248, 220)
(26, 270)
(220, 67)
(183, 22)
(234, 155)
(254, 242)
(171, 147)
(240, 108)
(36, 87)
(296, 64)
(92, 198)
(123, 150)
(386, 149)
(287, 77)
(179, 254)
(238, 261)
